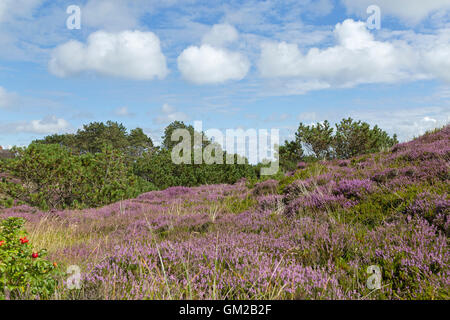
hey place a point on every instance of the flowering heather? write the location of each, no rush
(266, 187)
(302, 165)
(311, 235)
(353, 188)
(270, 202)
(434, 208)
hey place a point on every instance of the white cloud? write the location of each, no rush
(433, 50)
(128, 54)
(7, 99)
(208, 65)
(48, 125)
(411, 11)
(11, 9)
(13, 101)
(212, 62)
(123, 112)
(289, 86)
(356, 58)
(220, 35)
(169, 114)
(428, 119)
(437, 61)
(406, 123)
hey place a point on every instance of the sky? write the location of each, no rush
(231, 64)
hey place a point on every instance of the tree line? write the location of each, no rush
(321, 141)
(102, 162)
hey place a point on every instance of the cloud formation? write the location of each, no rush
(437, 61)
(209, 65)
(220, 35)
(169, 114)
(123, 112)
(211, 62)
(356, 58)
(411, 11)
(406, 123)
(11, 9)
(129, 54)
(48, 125)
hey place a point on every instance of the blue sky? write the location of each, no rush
(233, 64)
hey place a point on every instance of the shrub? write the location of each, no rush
(270, 202)
(317, 139)
(50, 176)
(289, 154)
(354, 138)
(24, 272)
(266, 187)
(351, 138)
(159, 170)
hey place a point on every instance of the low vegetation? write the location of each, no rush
(313, 233)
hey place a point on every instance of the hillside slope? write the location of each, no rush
(311, 235)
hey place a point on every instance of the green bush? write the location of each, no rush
(289, 155)
(23, 272)
(93, 136)
(354, 138)
(351, 138)
(317, 139)
(53, 177)
(101, 164)
(159, 170)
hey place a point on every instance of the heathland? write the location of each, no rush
(368, 226)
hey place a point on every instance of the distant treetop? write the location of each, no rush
(95, 135)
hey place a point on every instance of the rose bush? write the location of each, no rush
(23, 271)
